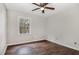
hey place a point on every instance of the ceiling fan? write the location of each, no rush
(42, 7)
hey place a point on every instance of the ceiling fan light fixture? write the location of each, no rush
(42, 8)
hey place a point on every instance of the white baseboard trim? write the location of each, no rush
(19, 43)
(4, 50)
(62, 44)
(24, 42)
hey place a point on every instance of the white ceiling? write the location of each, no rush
(27, 7)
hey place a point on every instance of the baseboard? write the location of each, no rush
(34, 39)
(64, 45)
(4, 50)
(27, 42)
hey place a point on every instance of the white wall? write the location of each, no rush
(63, 27)
(37, 28)
(2, 29)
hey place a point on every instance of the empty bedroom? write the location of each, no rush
(39, 28)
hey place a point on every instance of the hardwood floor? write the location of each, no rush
(40, 48)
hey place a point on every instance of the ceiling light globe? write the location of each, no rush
(42, 8)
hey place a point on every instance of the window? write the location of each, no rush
(24, 26)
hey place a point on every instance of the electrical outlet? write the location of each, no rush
(75, 43)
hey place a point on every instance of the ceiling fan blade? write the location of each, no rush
(41, 4)
(36, 4)
(43, 11)
(35, 9)
(50, 8)
(45, 4)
